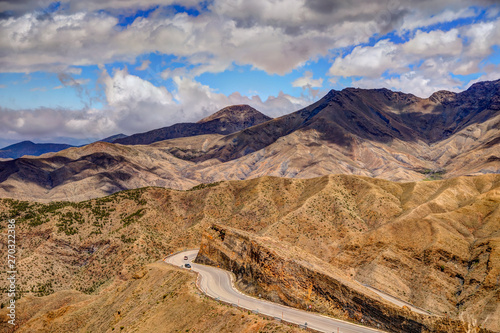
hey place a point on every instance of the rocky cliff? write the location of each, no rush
(289, 276)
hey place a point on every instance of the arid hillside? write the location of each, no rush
(435, 244)
(158, 298)
(375, 133)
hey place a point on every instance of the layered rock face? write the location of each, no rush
(287, 275)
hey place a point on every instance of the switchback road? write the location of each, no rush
(217, 283)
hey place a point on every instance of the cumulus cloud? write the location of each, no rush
(46, 124)
(434, 43)
(482, 36)
(370, 61)
(423, 64)
(20, 7)
(417, 83)
(307, 81)
(125, 89)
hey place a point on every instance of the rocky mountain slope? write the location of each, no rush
(435, 244)
(375, 133)
(284, 274)
(29, 148)
(228, 120)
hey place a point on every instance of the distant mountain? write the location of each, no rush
(29, 148)
(226, 121)
(375, 133)
(114, 137)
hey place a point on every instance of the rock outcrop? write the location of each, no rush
(287, 275)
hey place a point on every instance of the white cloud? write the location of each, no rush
(44, 123)
(307, 81)
(125, 89)
(370, 61)
(134, 105)
(431, 76)
(20, 7)
(491, 73)
(275, 36)
(482, 37)
(423, 64)
(422, 19)
(434, 43)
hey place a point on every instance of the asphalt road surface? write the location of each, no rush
(217, 283)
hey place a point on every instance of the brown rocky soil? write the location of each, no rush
(435, 244)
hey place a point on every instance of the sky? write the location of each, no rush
(76, 71)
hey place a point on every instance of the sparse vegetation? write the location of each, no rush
(83, 246)
(432, 174)
(202, 186)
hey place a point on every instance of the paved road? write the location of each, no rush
(217, 283)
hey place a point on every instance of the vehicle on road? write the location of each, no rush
(185, 257)
(187, 265)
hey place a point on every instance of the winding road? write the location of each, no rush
(218, 284)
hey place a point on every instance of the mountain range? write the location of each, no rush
(369, 132)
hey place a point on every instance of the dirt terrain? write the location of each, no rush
(434, 244)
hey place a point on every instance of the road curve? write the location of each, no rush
(217, 283)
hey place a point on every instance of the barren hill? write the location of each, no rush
(435, 244)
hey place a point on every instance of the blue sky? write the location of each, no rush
(86, 70)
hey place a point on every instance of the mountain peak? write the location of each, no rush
(237, 114)
(442, 96)
(228, 120)
(19, 144)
